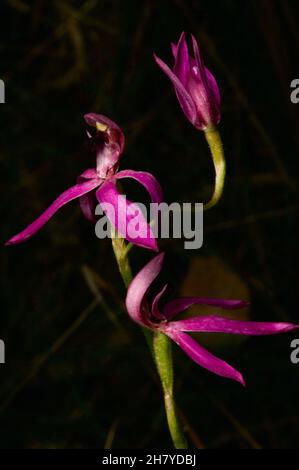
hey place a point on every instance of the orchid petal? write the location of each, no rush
(174, 49)
(92, 119)
(214, 90)
(88, 205)
(147, 180)
(122, 213)
(72, 193)
(218, 324)
(108, 142)
(198, 58)
(88, 202)
(209, 84)
(185, 99)
(203, 357)
(139, 287)
(179, 305)
(88, 174)
(155, 304)
(182, 62)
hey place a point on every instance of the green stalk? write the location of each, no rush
(215, 144)
(120, 249)
(160, 347)
(163, 358)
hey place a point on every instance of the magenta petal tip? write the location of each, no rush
(241, 380)
(10, 242)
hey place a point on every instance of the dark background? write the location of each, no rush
(77, 372)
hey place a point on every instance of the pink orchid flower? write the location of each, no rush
(99, 184)
(195, 86)
(148, 314)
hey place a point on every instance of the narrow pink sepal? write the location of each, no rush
(145, 179)
(185, 100)
(125, 215)
(72, 193)
(176, 306)
(219, 324)
(203, 357)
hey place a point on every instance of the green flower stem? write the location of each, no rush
(160, 348)
(163, 358)
(120, 249)
(215, 144)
